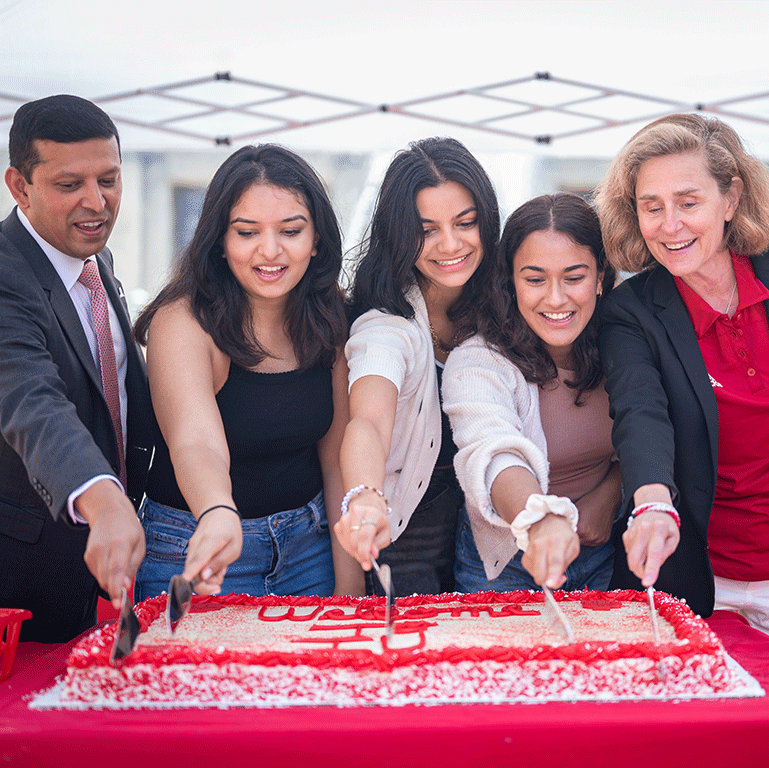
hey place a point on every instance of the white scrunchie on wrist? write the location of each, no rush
(537, 506)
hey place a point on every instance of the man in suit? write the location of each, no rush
(74, 449)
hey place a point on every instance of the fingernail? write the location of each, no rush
(207, 573)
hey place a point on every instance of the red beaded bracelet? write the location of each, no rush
(655, 506)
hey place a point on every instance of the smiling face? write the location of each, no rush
(556, 286)
(452, 248)
(73, 196)
(682, 214)
(269, 242)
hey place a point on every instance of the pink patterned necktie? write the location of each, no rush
(90, 278)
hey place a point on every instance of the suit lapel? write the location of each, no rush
(672, 313)
(60, 300)
(761, 268)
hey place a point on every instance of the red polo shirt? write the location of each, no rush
(736, 354)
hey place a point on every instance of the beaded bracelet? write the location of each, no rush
(359, 489)
(655, 506)
(219, 506)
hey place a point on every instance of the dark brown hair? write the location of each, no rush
(387, 268)
(314, 314)
(571, 216)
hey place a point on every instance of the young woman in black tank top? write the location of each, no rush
(249, 388)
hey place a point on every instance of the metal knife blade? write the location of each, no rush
(661, 669)
(385, 578)
(556, 609)
(179, 600)
(127, 630)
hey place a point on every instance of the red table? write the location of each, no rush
(621, 735)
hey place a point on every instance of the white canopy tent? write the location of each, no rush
(522, 83)
(316, 75)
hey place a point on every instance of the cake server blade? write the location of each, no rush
(661, 669)
(127, 630)
(179, 600)
(385, 579)
(556, 609)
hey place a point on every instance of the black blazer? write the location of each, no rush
(55, 431)
(665, 420)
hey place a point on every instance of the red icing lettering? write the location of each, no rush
(601, 605)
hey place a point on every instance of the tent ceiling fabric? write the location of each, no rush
(227, 110)
(316, 75)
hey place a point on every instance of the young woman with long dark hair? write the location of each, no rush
(430, 251)
(530, 416)
(249, 387)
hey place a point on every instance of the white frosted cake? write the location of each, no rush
(488, 647)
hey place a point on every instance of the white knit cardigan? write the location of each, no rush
(401, 351)
(494, 414)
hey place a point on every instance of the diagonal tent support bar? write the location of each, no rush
(504, 94)
(539, 108)
(267, 108)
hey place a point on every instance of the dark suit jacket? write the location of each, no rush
(665, 420)
(55, 434)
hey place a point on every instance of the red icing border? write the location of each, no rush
(693, 635)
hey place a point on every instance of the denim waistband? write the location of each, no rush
(152, 510)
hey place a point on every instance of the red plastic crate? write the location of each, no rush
(10, 625)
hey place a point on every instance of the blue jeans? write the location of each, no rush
(288, 553)
(592, 568)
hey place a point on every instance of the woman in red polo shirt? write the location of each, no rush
(685, 349)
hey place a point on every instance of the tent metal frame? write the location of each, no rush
(510, 108)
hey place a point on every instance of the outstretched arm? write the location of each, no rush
(185, 370)
(365, 529)
(643, 433)
(501, 460)
(44, 390)
(349, 576)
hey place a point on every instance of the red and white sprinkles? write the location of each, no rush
(489, 647)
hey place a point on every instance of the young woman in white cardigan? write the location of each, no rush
(430, 250)
(530, 417)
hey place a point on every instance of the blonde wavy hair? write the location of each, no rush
(748, 231)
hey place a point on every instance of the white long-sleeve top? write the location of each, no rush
(401, 351)
(494, 414)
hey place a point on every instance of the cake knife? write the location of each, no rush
(179, 600)
(661, 669)
(127, 630)
(385, 578)
(551, 602)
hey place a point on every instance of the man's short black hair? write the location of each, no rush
(64, 119)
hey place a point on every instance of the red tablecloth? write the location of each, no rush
(622, 735)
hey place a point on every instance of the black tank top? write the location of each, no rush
(273, 422)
